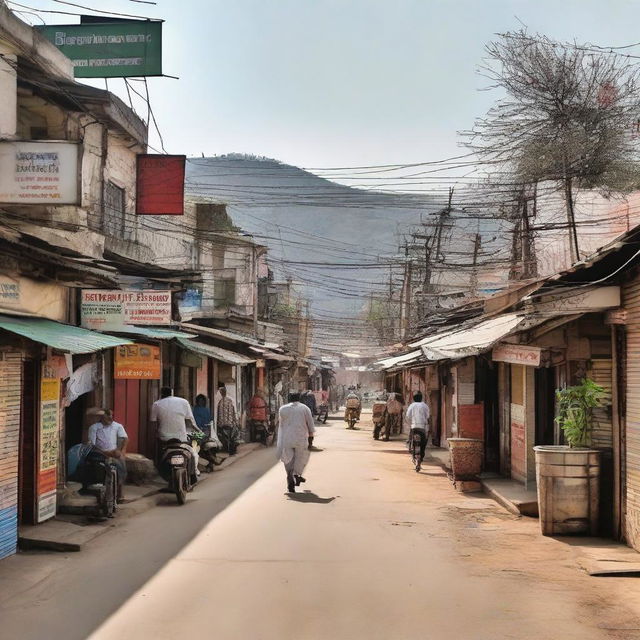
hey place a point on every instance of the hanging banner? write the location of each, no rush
(160, 185)
(137, 362)
(102, 309)
(48, 446)
(117, 49)
(39, 172)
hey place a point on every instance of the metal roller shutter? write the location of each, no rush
(10, 391)
(602, 436)
(631, 293)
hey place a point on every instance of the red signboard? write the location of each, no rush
(160, 185)
(471, 421)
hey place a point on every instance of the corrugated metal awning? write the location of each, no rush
(151, 332)
(209, 351)
(62, 337)
(225, 334)
(405, 358)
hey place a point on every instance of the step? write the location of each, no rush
(512, 495)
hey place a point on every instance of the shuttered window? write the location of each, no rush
(10, 388)
(631, 293)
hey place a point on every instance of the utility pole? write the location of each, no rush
(474, 274)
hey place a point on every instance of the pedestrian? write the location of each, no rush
(202, 414)
(170, 418)
(111, 439)
(295, 429)
(418, 415)
(227, 422)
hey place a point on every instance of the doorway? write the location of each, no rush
(545, 404)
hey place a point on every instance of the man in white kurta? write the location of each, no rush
(294, 430)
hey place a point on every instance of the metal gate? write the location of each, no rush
(10, 388)
(631, 293)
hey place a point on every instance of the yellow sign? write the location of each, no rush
(49, 422)
(137, 362)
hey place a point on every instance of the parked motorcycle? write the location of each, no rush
(229, 437)
(323, 413)
(175, 468)
(98, 475)
(207, 446)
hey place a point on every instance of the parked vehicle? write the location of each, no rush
(323, 412)
(98, 475)
(378, 417)
(229, 438)
(207, 446)
(259, 431)
(174, 467)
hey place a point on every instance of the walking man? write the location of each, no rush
(294, 431)
(418, 415)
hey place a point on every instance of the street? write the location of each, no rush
(368, 549)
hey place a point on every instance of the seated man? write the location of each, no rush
(104, 435)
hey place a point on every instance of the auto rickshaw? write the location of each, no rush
(378, 409)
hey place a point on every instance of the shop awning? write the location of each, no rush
(471, 341)
(209, 351)
(152, 332)
(405, 358)
(225, 334)
(266, 354)
(62, 337)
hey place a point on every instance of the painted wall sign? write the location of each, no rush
(48, 446)
(160, 185)
(42, 299)
(517, 354)
(39, 172)
(137, 362)
(103, 309)
(115, 49)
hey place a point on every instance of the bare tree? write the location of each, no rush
(568, 115)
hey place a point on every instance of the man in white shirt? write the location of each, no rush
(104, 435)
(169, 417)
(294, 430)
(418, 415)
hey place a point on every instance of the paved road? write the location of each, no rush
(369, 550)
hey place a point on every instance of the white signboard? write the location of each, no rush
(102, 309)
(517, 354)
(39, 172)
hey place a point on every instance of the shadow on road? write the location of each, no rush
(309, 496)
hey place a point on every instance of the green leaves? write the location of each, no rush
(575, 407)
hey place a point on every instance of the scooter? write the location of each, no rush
(174, 467)
(207, 447)
(98, 475)
(229, 438)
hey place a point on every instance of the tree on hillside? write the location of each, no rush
(569, 115)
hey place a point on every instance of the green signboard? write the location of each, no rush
(110, 49)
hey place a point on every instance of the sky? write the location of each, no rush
(337, 83)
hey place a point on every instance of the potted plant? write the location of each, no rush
(568, 475)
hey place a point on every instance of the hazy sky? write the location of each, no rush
(323, 83)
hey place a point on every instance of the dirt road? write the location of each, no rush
(369, 549)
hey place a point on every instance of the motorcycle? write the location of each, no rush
(259, 431)
(98, 475)
(377, 418)
(207, 446)
(351, 417)
(229, 437)
(323, 413)
(174, 467)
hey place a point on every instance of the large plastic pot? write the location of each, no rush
(568, 489)
(466, 457)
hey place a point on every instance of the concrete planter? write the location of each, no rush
(466, 457)
(568, 490)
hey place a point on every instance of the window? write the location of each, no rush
(224, 292)
(115, 220)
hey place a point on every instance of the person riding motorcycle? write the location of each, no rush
(258, 413)
(392, 415)
(353, 407)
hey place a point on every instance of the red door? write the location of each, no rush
(126, 410)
